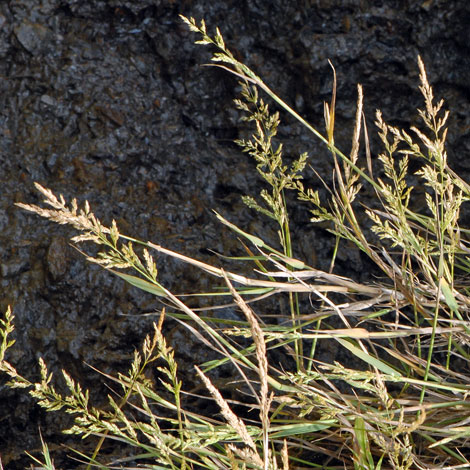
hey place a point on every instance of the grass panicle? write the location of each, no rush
(400, 399)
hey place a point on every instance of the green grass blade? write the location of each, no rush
(373, 361)
(300, 428)
(141, 284)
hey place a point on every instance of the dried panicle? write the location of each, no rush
(232, 419)
(249, 456)
(382, 392)
(109, 260)
(379, 439)
(427, 92)
(82, 220)
(401, 453)
(258, 338)
(407, 428)
(232, 459)
(114, 256)
(261, 356)
(351, 177)
(192, 25)
(357, 131)
(150, 343)
(383, 133)
(51, 199)
(285, 456)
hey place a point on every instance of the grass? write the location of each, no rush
(404, 406)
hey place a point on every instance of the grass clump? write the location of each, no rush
(405, 406)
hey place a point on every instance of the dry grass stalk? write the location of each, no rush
(264, 400)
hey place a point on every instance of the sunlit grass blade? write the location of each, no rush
(371, 360)
(141, 284)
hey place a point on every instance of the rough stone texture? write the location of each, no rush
(107, 101)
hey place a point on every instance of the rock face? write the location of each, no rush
(107, 101)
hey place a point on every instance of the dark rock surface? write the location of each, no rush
(107, 101)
